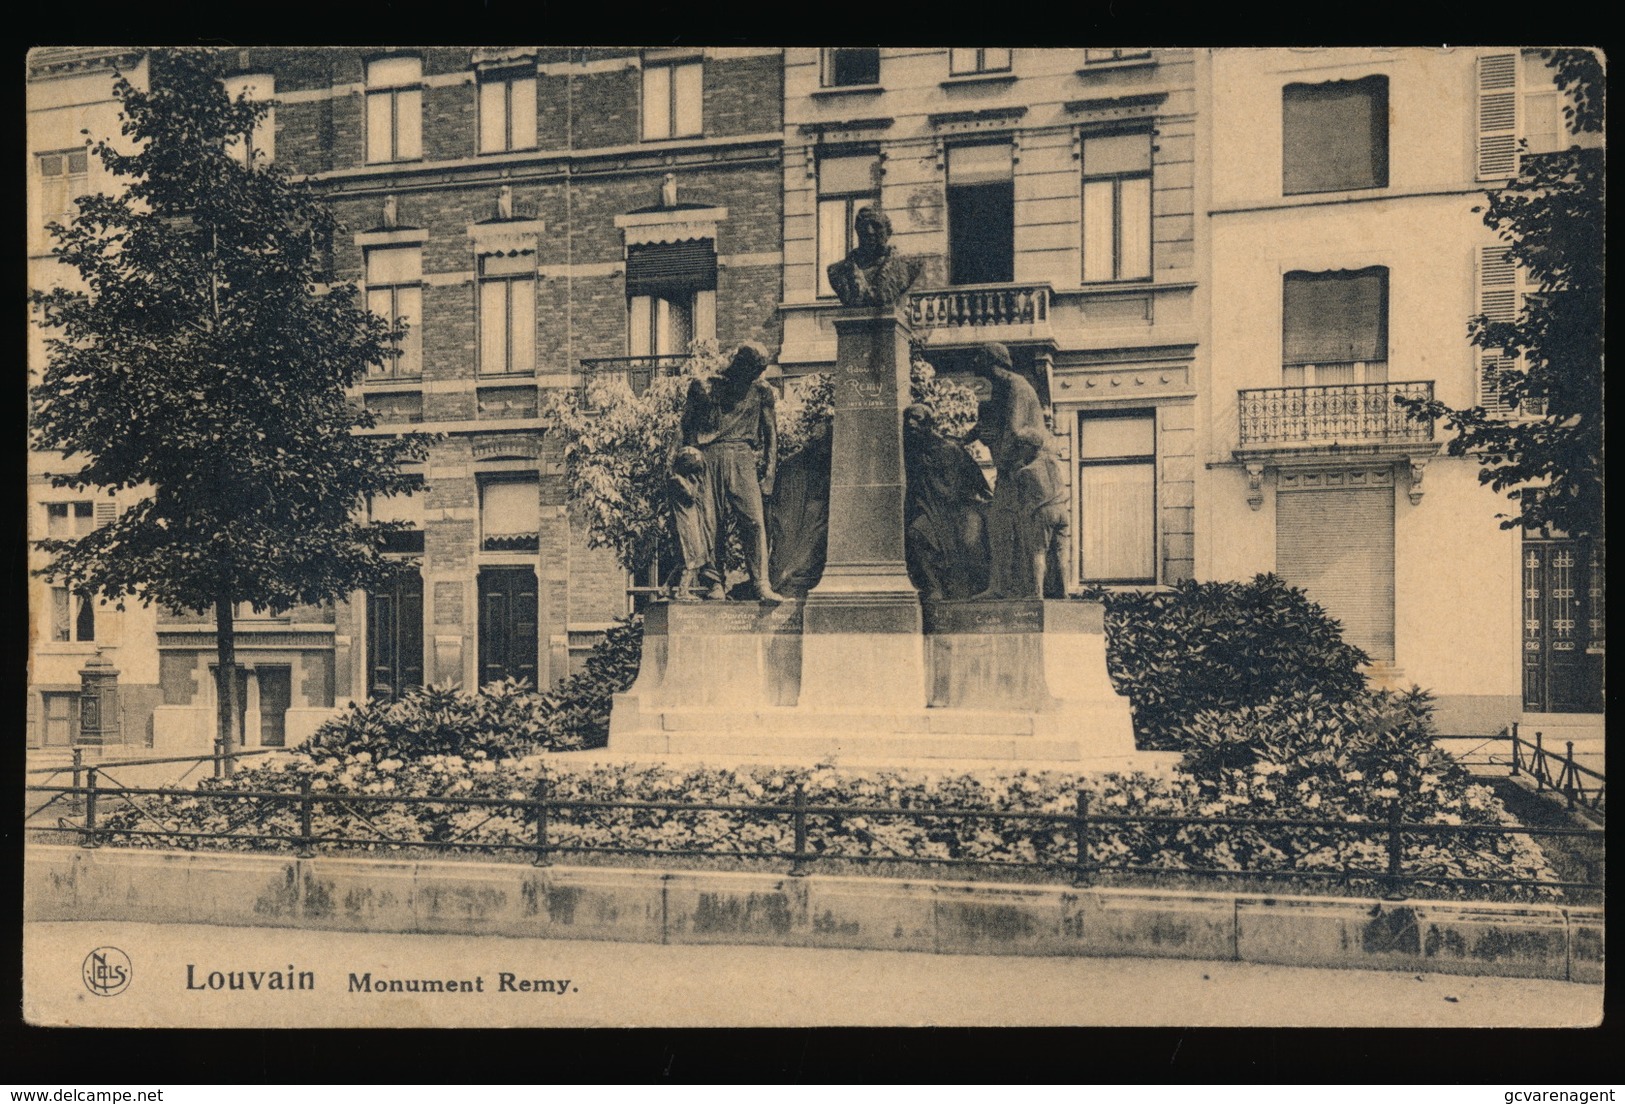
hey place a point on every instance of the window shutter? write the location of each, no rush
(1497, 302)
(671, 267)
(106, 513)
(1338, 545)
(1497, 116)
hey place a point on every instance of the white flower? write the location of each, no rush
(1390, 776)
(1313, 802)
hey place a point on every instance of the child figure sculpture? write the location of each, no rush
(1041, 534)
(685, 495)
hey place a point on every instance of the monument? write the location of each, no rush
(862, 668)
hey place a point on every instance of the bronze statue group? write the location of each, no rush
(963, 540)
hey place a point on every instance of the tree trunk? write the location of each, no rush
(227, 738)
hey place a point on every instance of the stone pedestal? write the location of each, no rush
(862, 642)
(1009, 683)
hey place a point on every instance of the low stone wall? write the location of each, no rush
(651, 906)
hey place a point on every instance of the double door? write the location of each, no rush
(508, 624)
(1564, 637)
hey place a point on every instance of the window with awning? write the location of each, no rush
(1334, 325)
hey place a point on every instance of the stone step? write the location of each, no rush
(791, 721)
(847, 746)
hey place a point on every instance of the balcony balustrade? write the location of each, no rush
(1340, 414)
(980, 305)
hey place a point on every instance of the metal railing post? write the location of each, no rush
(307, 845)
(1396, 855)
(1082, 872)
(1568, 779)
(1540, 762)
(78, 802)
(90, 839)
(1516, 753)
(539, 811)
(798, 865)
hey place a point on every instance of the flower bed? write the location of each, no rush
(999, 843)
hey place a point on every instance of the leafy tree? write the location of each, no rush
(199, 360)
(1548, 460)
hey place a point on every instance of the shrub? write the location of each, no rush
(500, 719)
(577, 710)
(1221, 645)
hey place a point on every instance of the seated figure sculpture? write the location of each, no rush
(874, 274)
(945, 534)
(798, 517)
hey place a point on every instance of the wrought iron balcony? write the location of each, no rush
(980, 305)
(637, 372)
(1341, 414)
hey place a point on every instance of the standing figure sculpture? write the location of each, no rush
(1013, 409)
(874, 274)
(730, 419)
(945, 534)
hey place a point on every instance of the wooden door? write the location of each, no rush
(395, 638)
(1563, 626)
(508, 635)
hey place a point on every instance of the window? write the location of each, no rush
(846, 65)
(64, 177)
(966, 62)
(65, 520)
(507, 110)
(981, 215)
(1334, 136)
(1101, 57)
(672, 95)
(61, 727)
(1117, 498)
(845, 185)
(1338, 545)
(509, 515)
(395, 291)
(73, 618)
(1334, 327)
(671, 296)
(402, 507)
(507, 313)
(394, 109)
(1517, 99)
(259, 145)
(1117, 207)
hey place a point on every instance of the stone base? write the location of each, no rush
(986, 682)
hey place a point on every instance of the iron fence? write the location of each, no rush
(1580, 786)
(1088, 832)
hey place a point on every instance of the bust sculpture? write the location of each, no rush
(874, 274)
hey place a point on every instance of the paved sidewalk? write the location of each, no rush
(639, 985)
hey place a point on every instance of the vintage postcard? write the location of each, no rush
(747, 536)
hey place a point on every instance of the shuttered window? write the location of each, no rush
(671, 267)
(1338, 545)
(1500, 298)
(1517, 99)
(1334, 136)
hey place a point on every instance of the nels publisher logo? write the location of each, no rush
(106, 971)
